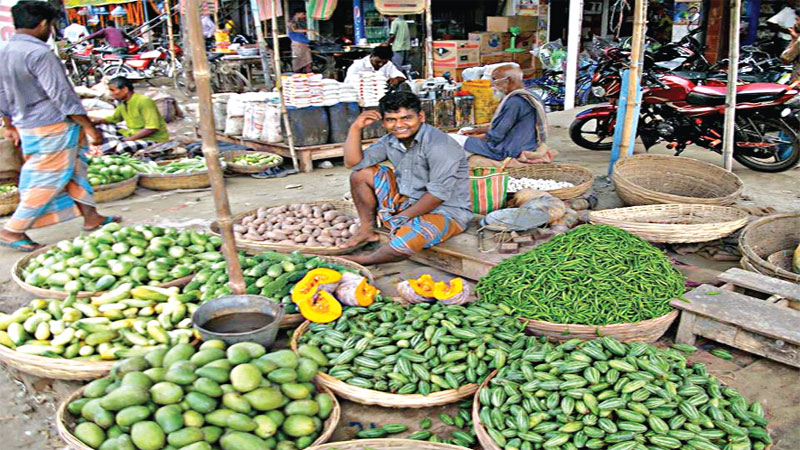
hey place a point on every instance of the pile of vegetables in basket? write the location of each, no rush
(235, 399)
(114, 255)
(604, 394)
(8, 188)
(111, 169)
(295, 280)
(298, 224)
(120, 323)
(258, 159)
(178, 167)
(592, 275)
(417, 349)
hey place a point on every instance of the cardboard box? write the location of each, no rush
(455, 74)
(526, 40)
(494, 58)
(525, 60)
(503, 23)
(491, 41)
(455, 54)
(527, 74)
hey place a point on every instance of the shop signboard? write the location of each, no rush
(400, 7)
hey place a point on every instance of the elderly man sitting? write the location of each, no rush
(518, 129)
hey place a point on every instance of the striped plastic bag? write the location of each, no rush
(489, 187)
(320, 9)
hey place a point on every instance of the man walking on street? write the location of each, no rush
(42, 112)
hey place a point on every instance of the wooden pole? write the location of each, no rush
(262, 44)
(170, 34)
(429, 38)
(276, 61)
(573, 49)
(202, 77)
(733, 78)
(634, 74)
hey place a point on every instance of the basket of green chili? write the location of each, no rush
(186, 173)
(596, 280)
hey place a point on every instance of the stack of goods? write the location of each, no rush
(239, 397)
(110, 169)
(297, 224)
(348, 93)
(608, 394)
(331, 92)
(371, 88)
(593, 275)
(303, 90)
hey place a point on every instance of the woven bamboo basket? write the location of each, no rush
(241, 168)
(16, 275)
(9, 200)
(644, 331)
(767, 236)
(385, 444)
(582, 178)
(385, 399)
(293, 320)
(243, 244)
(65, 423)
(486, 441)
(674, 223)
(655, 179)
(169, 182)
(55, 368)
(115, 191)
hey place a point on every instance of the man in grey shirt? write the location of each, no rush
(425, 199)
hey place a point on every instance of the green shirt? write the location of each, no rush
(140, 112)
(402, 41)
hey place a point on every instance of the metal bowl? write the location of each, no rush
(247, 51)
(232, 304)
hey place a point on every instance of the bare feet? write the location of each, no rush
(360, 237)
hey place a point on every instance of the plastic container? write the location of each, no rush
(444, 113)
(309, 126)
(464, 110)
(240, 304)
(341, 115)
(427, 108)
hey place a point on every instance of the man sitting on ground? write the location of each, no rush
(145, 126)
(518, 129)
(425, 199)
(380, 60)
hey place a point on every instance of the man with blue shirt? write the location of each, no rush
(301, 52)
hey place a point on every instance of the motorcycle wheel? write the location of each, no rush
(783, 156)
(580, 128)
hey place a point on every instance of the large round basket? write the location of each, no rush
(577, 175)
(644, 331)
(16, 275)
(65, 422)
(767, 236)
(674, 223)
(55, 368)
(244, 244)
(486, 441)
(242, 168)
(385, 444)
(169, 182)
(293, 320)
(385, 399)
(8, 201)
(655, 179)
(115, 191)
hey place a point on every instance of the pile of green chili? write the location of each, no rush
(593, 275)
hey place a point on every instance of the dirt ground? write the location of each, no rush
(27, 416)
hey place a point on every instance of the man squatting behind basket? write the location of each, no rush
(424, 199)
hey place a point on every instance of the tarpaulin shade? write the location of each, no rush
(400, 7)
(265, 8)
(82, 3)
(320, 9)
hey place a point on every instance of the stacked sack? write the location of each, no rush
(371, 88)
(331, 90)
(303, 90)
(255, 115)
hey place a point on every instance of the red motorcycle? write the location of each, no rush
(139, 66)
(677, 111)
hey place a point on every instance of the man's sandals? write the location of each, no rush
(23, 245)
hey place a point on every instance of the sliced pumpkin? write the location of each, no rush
(321, 308)
(446, 291)
(308, 286)
(365, 293)
(423, 285)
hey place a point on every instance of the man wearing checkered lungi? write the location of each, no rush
(145, 126)
(424, 200)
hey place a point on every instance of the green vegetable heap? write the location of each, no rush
(419, 349)
(8, 188)
(177, 167)
(269, 274)
(604, 394)
(115, 255)
(239, 399)
(111, 169)
(593, 275)
(257, 159)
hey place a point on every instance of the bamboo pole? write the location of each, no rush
(262, 44)
(573, 44)
(429, 38)
(276, 61)
(170, 35)
(733, 78)
(210, 148)
(634, 74)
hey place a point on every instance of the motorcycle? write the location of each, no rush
(677, 111)
(138, 66)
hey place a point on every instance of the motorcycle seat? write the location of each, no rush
(108, 57)
(749, 93)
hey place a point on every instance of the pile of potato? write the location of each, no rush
(298, 224)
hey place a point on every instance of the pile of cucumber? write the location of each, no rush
(115, 255)
(111, 169)
(269, 274)
(604, 394)
(234, 398)
(418, 349)
(121, 323)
